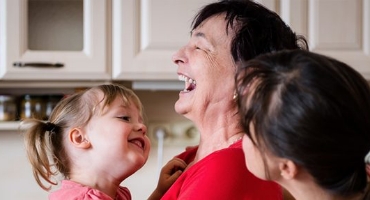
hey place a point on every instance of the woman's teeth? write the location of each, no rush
(186, 79)
(189, 83)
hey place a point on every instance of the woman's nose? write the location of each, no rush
(179, 56)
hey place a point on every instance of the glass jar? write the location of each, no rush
(8, 108)
(32, 106)
(51, 102)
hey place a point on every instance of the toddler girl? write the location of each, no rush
(95, 139)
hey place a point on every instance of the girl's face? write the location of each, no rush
(253, 158)
(263, 164)
(118, 138)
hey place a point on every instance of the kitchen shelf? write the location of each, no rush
(9, 126)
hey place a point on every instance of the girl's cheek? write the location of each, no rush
(247, 143)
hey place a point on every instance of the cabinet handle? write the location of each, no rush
(41, 65)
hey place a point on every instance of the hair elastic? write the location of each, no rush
(51, 127)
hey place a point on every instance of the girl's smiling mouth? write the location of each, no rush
(139, 142)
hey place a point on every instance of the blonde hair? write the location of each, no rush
(44, 140)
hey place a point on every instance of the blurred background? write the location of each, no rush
(52, 48)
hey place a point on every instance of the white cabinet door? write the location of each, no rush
(53, 40)
(336, 28)
(146, 33)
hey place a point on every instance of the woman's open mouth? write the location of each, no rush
(190, 84)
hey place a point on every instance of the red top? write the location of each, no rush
(221, 175)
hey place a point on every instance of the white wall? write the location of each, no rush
(16, 180)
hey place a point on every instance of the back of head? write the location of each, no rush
(258, 30)
(313, 110)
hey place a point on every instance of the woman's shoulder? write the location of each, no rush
(189, 154)
(234, 151)
(232, 155)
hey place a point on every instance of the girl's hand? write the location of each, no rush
(169, 174)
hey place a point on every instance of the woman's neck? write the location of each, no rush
(220, 139)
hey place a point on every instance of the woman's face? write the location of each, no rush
(207, 67)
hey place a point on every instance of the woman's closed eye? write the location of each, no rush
(201, 48)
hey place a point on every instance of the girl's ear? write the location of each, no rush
(288, 169)
(78, 138)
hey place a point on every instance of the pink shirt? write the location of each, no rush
(74, 191)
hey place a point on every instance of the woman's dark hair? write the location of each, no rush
(311, 109)
(257, 29)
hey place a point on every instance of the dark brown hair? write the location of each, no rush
(257, 29)
(311, 109)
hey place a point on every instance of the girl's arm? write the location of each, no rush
(169, 174)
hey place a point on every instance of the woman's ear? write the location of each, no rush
(288, 169)
(78, 138)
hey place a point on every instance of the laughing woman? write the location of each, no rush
(224, 34)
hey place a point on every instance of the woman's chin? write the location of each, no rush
(181, 106)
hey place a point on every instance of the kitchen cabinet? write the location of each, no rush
(54, 40)
(135, 39)
(147, 33)
(336, 28)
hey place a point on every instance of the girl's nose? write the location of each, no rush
(140, 127)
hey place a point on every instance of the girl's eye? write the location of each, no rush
(126, 118)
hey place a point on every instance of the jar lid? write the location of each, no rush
(32, 96)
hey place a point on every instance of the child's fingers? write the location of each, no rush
(177, 162)
(168, 168)
(174, 165)
(174, 177)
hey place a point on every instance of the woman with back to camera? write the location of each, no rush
(307, 124)
(223, 35)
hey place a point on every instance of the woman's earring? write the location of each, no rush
(235, 96)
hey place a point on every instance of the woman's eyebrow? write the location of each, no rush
(203, 37)
(198, 34)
